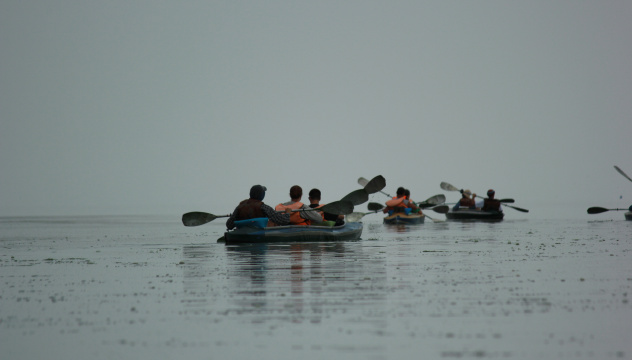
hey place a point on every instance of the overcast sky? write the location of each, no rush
(164, 107)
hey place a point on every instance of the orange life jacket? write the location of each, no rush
(396, 202)
(322, 214)
(295, 217)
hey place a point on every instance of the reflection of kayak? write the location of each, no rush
(471, 214)
(403, 218)
(293, 233)
(628, 215)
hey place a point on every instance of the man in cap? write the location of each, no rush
(255, 208)
(491, 204)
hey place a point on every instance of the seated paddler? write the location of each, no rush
(314, 203)
(411, 204)
(301, 217)
(254, 207)
(466, 201)
(398, 204)
(490, 203)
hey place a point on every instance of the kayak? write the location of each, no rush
(403, 218)
(293, 233)
(471, 214)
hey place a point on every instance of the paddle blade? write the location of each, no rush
(197, 218)
(434, 200)
(596, 210)
(448, 187)
(375, 206)
(441, 209)
(517, 208)
(357, 197)
(363, 182)
(622, 173)
(341, 207)
(354, 217)
(376, 184)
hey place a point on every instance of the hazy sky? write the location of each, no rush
(163, 107)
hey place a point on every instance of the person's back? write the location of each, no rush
(254, 207)
(314, 203)
(398, 203)
(298, 217)
(491, 204)
(466, 201)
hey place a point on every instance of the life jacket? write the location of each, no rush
(491, 205)
(469, 203)
(322, 214)
(295, 217)
(396, 202)
(396, 205)
(249, 209)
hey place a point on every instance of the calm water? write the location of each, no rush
(149, 288)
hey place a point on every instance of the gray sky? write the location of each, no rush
(163, 107)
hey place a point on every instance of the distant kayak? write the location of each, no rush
(403, 218)
(472, 214)
(294, 233)
(628, 215)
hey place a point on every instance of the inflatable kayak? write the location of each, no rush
(471, 214)
(255, 231)
(404, 218)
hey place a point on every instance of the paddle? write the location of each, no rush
(441, 209)
(622, 173)
(356, 197)
(197, 218)
(516, 208)
(376, 184)
(356, 216)
(433, 219)
(599, 210)
(448, 187)
(361, 196)
(431, 201)
(364, 182)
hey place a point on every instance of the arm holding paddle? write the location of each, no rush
(279, 218)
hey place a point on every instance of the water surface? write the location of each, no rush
(149, 288)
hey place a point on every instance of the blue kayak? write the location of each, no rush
(403, 218)
(258, 233)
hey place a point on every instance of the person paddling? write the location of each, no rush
(255, 208)
(314, 202)
(491, 204)
(298, 217)
(466, 201)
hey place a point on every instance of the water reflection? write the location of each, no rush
(302, 282)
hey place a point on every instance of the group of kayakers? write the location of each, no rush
(401, 202)
(468, 201)
(292, 212)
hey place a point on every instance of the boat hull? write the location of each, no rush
(295, 233)
(474, 215)
(402, 218)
